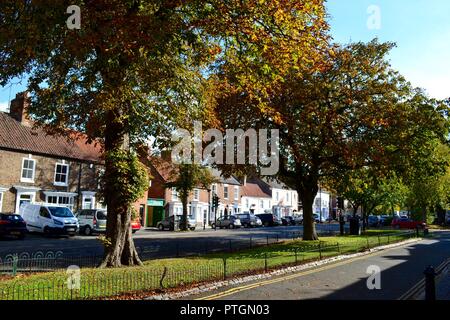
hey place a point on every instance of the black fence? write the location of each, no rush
(74, 283)
(175, 248)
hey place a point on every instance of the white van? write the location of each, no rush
(49, 219)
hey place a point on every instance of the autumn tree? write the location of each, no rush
(354, 111)
(187, 177)
(135, 68)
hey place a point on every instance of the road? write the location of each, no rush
(152, 243)
(401, 268)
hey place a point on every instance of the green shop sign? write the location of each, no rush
(155, 202)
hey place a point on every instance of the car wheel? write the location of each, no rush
(46, 231)
(160, 227)
(231, 226)
(87, 231)
(192, 229)
(213, 226)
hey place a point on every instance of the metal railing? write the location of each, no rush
(103, 283)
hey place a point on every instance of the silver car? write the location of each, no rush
(230, 222)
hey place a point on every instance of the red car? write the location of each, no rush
(406, 223)
(135, 226)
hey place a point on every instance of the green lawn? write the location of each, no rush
(168, 273)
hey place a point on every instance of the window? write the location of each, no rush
(28, 167)
(174, 194)
(61, 174)
(261, 204)
(236, 193)
(196, 194)
(225, 192)
(247, 203)
(87, 203)
(214, 189)
(64, 200)
(277, 196)
(44, 213)
(25, 198)
(287, 197)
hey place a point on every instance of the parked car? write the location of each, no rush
(269, 219)
(135, 226)
(373, 221)
(298, 219)
(288, 221)
(318, 219)
(406, 223)
(169, 223)
(49, 219)
(386, 220)
(230, 222)
(12, 225)
(91, 220)
(248, 220)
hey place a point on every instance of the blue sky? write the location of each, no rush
(421, 29)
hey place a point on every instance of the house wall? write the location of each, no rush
(44, 177)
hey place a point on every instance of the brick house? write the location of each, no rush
(36, 167)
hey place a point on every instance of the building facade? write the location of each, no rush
(36, 167)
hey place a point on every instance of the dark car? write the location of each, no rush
(169, 223)
(288, 221)
(230, 222)
(248, 220)
(269, 219)
(373, 221)
(12, 225)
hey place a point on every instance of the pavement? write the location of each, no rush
(400, 269)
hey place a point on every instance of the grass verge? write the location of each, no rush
(179, 272)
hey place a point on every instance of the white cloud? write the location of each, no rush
(3, 106)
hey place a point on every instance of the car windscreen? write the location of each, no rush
(101, 215)
(61, 212)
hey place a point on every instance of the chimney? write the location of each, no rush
(19, 108)
(166, 155)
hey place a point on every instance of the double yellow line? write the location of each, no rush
(288, 277)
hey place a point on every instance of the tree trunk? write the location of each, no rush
(119, 245)
(183, 224)
(307, 196)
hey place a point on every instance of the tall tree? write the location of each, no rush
(135, 68)
(353, 112)
(187, 177)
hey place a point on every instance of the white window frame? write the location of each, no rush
(88, 195)
(62, 184)
(236, 193)
(175, 195)
(196, 195)
(58, 196)
(27, 180)
(20, 194)
(2, 196)
(227, 194)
